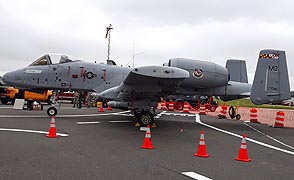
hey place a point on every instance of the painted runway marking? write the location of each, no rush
(197, 119)
(31, 131)
(93, 122)
(159, 115)
(8, 107)
(22, 116)
(268, 136)
(65, 116)
(91, 115)
(119, 121)
(121, 114)
(195, 176)
(177, 114)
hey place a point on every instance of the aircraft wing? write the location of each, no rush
(147, 82)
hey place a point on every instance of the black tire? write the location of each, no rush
(4, 100)
(238, 116)
(145, 118)
(232, 112)
(51, 111)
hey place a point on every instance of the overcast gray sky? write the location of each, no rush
(212, 30)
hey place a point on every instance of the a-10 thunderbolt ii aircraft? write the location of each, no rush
(139, 88)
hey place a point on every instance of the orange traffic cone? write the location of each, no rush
(101, 109)
(243, 152)
(147, 140)
(52, 129)
(109, 108)
(186, 108)
(201, 147)
(202, 109)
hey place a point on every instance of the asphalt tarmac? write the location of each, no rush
(107, 146)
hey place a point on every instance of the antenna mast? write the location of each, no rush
(107, 35)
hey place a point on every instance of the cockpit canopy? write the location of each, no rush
(49, 59)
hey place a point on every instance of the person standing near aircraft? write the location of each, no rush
(80, 99)
(76, 99)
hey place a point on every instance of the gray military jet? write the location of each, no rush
(139, 89)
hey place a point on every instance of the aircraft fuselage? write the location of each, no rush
(77, 75)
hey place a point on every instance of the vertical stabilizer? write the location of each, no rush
(237, 70)
(271, 80)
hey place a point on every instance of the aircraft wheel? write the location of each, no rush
(51, 111)
(238, 116)
(145, 118)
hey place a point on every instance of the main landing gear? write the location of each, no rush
(144, 118)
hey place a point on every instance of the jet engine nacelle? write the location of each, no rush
(202, 74)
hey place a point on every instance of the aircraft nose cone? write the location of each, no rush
(6, 78)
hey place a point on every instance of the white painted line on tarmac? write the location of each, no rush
(128, 115)
(31, 131)
(143, 128)
(159, 115)
(8, 107)
(91, 115)
(195, 176)
(197, 119)
(119, 121)
(178, 114)
(64, 116)
(22, 116)
(93, 122)
(268, 136)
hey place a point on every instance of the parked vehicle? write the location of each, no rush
(9, 94)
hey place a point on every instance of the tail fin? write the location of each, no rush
(271, 81)
(237, 70)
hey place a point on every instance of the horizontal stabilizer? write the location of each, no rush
(271, 80)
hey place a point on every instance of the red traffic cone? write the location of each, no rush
(52, 129)
(201, 147)
(243, 152)
(109, 108)
(147, 140)
(101, 109)
(202, 109)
